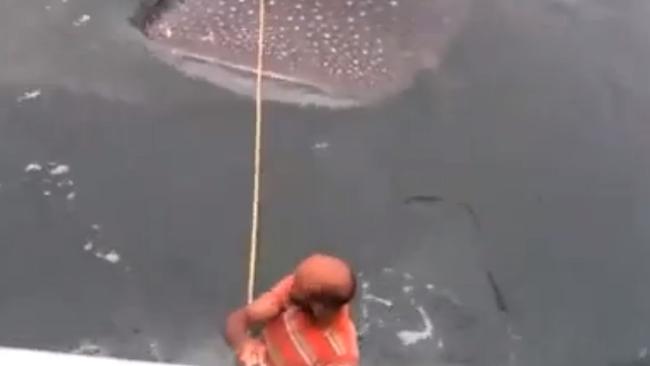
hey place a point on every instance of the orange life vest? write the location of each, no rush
(293, 340)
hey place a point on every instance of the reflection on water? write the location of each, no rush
(403, 319)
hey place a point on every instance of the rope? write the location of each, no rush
(252, 263)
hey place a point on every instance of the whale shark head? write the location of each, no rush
(336, 53)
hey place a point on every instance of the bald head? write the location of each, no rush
(326, 275)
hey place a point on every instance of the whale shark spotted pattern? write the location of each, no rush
(327, 52)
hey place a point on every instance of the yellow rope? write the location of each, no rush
(252, 264)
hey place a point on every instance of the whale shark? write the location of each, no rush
(336, 53)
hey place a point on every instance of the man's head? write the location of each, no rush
(323, 285)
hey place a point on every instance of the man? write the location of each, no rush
(305, 319)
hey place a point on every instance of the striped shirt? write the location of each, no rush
(293, 339)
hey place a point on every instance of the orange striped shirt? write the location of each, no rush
(292, 339)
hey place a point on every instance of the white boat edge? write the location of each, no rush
(20, 357)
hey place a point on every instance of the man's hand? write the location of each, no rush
(252, 353)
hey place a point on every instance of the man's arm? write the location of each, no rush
(237, 325)
(264, 308)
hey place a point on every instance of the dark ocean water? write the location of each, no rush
(125, 192)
